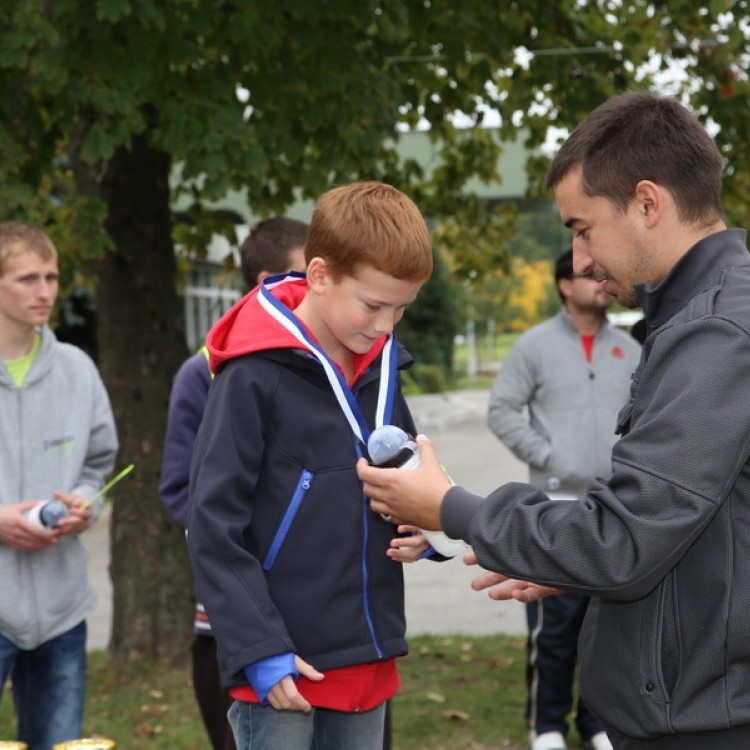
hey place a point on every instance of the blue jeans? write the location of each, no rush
(258, 727)
(49, 685)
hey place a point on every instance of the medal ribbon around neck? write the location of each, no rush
(348, 403)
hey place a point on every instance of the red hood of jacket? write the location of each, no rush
(247, 327)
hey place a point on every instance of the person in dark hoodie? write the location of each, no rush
(301, 581)
(274, 245)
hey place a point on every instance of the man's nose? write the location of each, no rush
(46, 289)
(582, 262)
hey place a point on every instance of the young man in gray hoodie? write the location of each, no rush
(57, 440)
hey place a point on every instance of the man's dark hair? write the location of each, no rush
(641, 136)
(268, 245)
(564, 266)
(564, 270)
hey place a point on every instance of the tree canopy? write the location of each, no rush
(102, 100)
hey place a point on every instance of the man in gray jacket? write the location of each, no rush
(57, 439)
(572, 373)
(662, 547)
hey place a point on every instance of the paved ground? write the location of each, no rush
(96, 541)
(439, 598)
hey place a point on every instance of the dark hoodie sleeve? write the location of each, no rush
(227, 460)
(187, 402)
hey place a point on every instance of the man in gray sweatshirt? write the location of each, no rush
(57, 440)
(571, 373)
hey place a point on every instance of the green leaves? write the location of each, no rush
(111, 11)
(327, 85)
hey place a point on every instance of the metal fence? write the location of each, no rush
(203, 307)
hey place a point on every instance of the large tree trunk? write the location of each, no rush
(141, 345)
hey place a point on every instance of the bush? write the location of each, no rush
(429, 378)
(409, 385)
(430, 324)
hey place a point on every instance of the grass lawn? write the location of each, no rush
(461, 692)
(457, 692)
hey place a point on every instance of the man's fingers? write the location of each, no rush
(470, 558)
(487, 579)
(508, 589)
(368, 474)
(521, 591)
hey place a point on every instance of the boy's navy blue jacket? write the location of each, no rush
(286, 553)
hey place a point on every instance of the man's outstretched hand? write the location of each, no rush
(503, 588)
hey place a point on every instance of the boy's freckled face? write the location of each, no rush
(357, 310)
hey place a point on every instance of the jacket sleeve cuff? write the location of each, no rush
(264, 674)
(457, 510)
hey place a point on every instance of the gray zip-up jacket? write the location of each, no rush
(663, 546)
(572, 404)
(56, 433)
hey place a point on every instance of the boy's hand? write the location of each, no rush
(284, 696)
(406, 549)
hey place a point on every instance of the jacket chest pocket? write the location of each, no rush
(625, 414)
(623, 419)
(300, 492)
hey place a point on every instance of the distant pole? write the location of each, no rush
(471, 338)
(471, 347)
(491, 342)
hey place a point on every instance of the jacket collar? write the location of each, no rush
(695, 272)
(41, 364)
(564, 317)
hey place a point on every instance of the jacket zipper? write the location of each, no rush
(22, 496)
(303, 485)
(366, 515)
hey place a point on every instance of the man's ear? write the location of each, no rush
(565, 286)
(650, 201)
